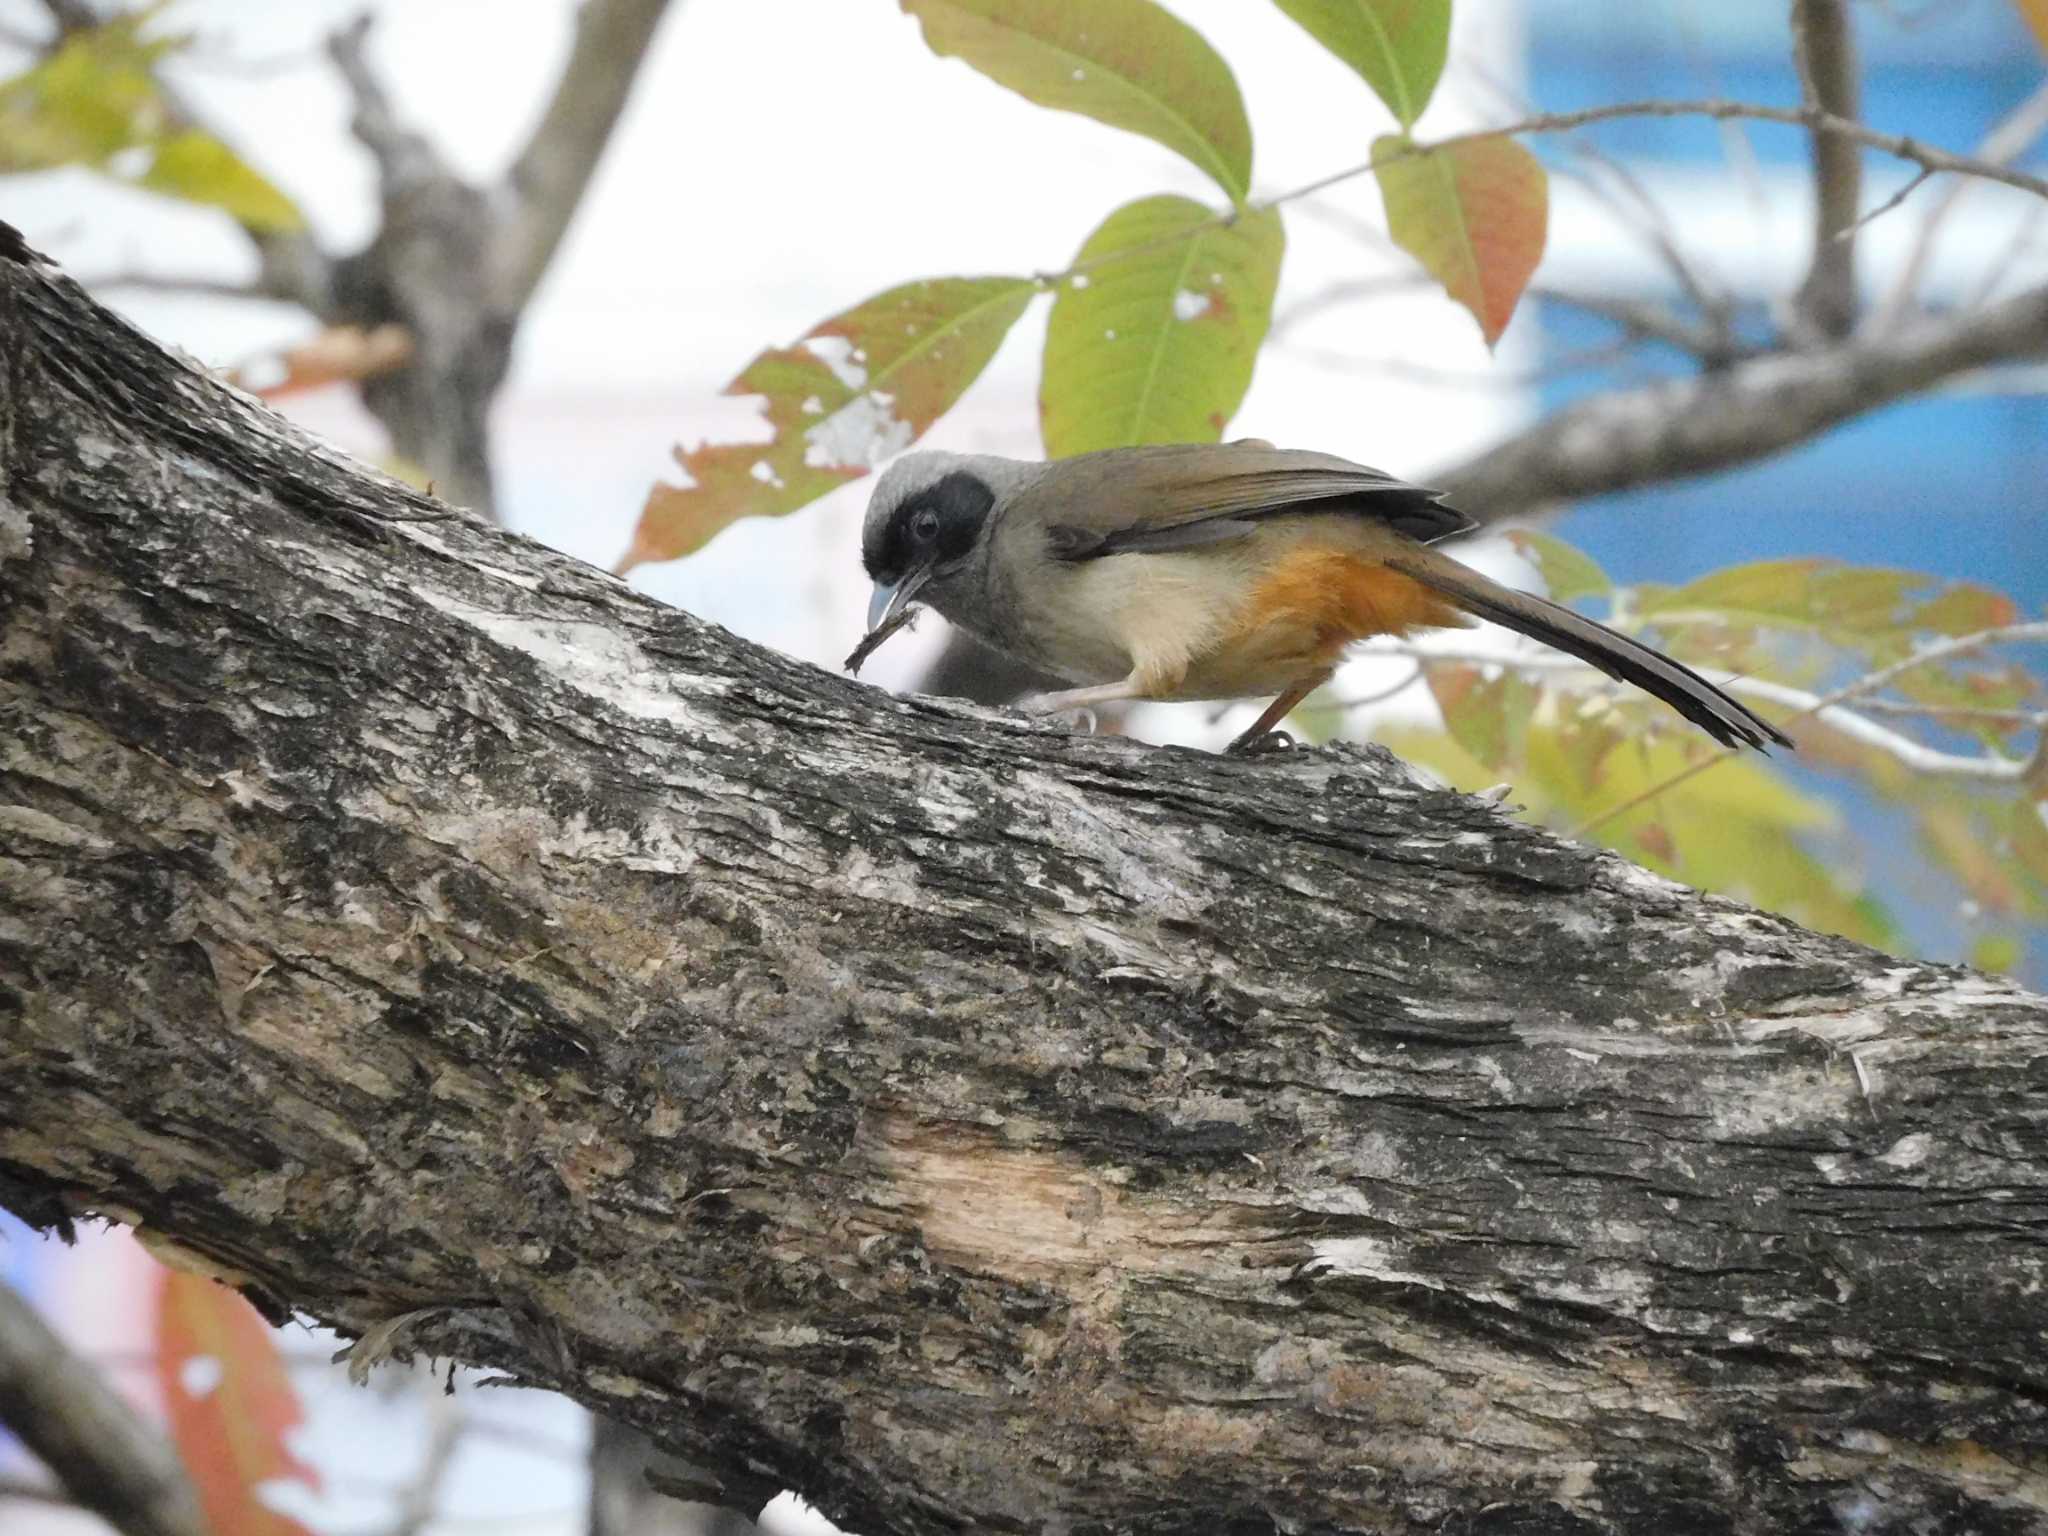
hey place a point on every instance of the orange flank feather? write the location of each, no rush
(1323, 599)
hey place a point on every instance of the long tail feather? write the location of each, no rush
(1726, 719)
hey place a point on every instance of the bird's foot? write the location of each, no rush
(1258, 743)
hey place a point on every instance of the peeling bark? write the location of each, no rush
(965, 1124)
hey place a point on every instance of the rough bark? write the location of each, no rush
(963, 1123)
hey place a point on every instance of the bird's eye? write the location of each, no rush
(925, 526)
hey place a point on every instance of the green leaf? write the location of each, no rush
(201, 169)
(1475, 213)
(858, 388)
(87, 102)
(1996, 952)
(95, 99)
(1127, 63)
(1397, 45)
(1488, 717)
(1874, 608)
(1568, 573)
(1158, 346)
(2030, 837)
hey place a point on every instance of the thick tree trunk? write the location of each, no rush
(965, 1124)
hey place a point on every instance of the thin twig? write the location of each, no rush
(1655, 225)
(1899, 146)
(133, 280)
(1715, 345)
(1946, 650)
(417, 1504)
(404, 158)
(1919, 178)
(2006, 142)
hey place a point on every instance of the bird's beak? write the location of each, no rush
(889, 600)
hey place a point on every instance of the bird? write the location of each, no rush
(1192, 571)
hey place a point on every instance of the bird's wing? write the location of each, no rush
(1182, 495)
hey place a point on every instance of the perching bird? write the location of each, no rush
(1209, 571)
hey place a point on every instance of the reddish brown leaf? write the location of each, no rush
(1475, 213)
(860, 387)
(342, 354)
(229, 1402)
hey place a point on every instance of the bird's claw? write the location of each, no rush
(1250, 745)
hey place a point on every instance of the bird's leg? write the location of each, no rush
(1078, 703)
(1260, 736)
(1069, 699)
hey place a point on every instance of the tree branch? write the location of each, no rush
(966, 1124)
(107, 1458)
(547, 182)
(1679, 427)
(405, 160)
(1824, 50)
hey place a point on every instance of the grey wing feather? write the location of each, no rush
(1180, 496)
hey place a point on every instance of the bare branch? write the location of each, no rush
(2006, 142)
(1824, 48)
(108, 1459)
(404, 158)
(1897, 145)
(1654, 224)
(1714, 345)
(1681, 427)
(133, 280)
(423, 1494)
(547, 182)
(1920, 178)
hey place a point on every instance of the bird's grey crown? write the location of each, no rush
(982, 480)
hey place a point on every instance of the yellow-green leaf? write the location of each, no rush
(1397, 45)
(1158, 346)
(86, 102)
(1996, 952)
(1487, 716)
(1872, 607)
(1475, 213)
(95, 101)
(1568, 572)
(860, 387)
(201, 169)
(2030, 836)
(1128, 63)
